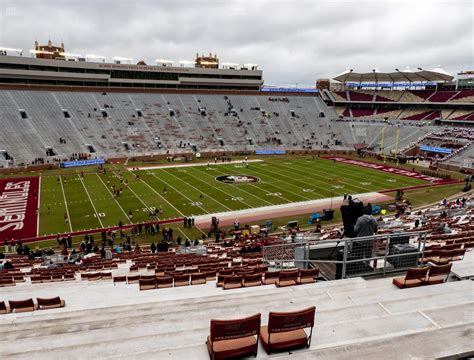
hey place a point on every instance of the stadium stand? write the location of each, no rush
(120, 124)
(351, 312)
(461, 96)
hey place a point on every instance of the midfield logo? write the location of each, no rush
(237, 179)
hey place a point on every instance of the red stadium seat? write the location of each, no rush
(232, 339)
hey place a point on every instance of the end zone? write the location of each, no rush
(19, 201)
(390, 169)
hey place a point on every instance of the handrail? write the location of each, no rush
(364, 253)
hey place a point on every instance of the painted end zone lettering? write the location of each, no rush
(18, 204)
(389, 169)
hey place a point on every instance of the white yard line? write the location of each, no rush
(65, 203)
(179, 192)
(138, 198)
(242, 189)
(283, 189)
(157, 193)
(93, 206)
(276, 175)
(38, 207)
(170, 166)
(222, 191)
(120, 206)
(182, 232)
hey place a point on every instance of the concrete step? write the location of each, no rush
(60, 316)
(75, 335)
(393, 293)
(129, 298)
(131, 343)
(435, 344)
(201, 317)
(324, 305)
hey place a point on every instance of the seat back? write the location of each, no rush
(226, 272)
(106, 275)
(69, 276)
(416, 273)
(252, 277)
(289, 275)
(272, 274)
(459, 253)
(235, 329)
(232, 279)
(440, 270)
(21, 305)
(133, 268)
(121, 278)
(288, 321)
(131, 279)
(198, 277)
(3, 307)
(181, 278)
(309, 273)
(211, 275)
(94, 276)
(147, 277)
(164, 280)
(147, 283)
(49, 303)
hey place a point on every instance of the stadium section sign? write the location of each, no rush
(270, 152)
(19, 200)
(435, 149)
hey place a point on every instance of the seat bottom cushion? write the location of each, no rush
(233, 347)
(401, 283)
(283, 340)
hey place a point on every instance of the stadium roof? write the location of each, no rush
(375, 76)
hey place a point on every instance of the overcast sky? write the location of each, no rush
(292, 41)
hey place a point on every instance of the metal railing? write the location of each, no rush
(350, 257)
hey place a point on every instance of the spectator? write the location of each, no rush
(366, 225)
(417, 223)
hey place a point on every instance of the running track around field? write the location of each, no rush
(99, 230)
(263, 213)
(191, 164)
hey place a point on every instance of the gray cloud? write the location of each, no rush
(293, 41)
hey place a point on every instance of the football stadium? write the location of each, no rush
(195, 209)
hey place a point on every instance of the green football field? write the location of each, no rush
(88, 202)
